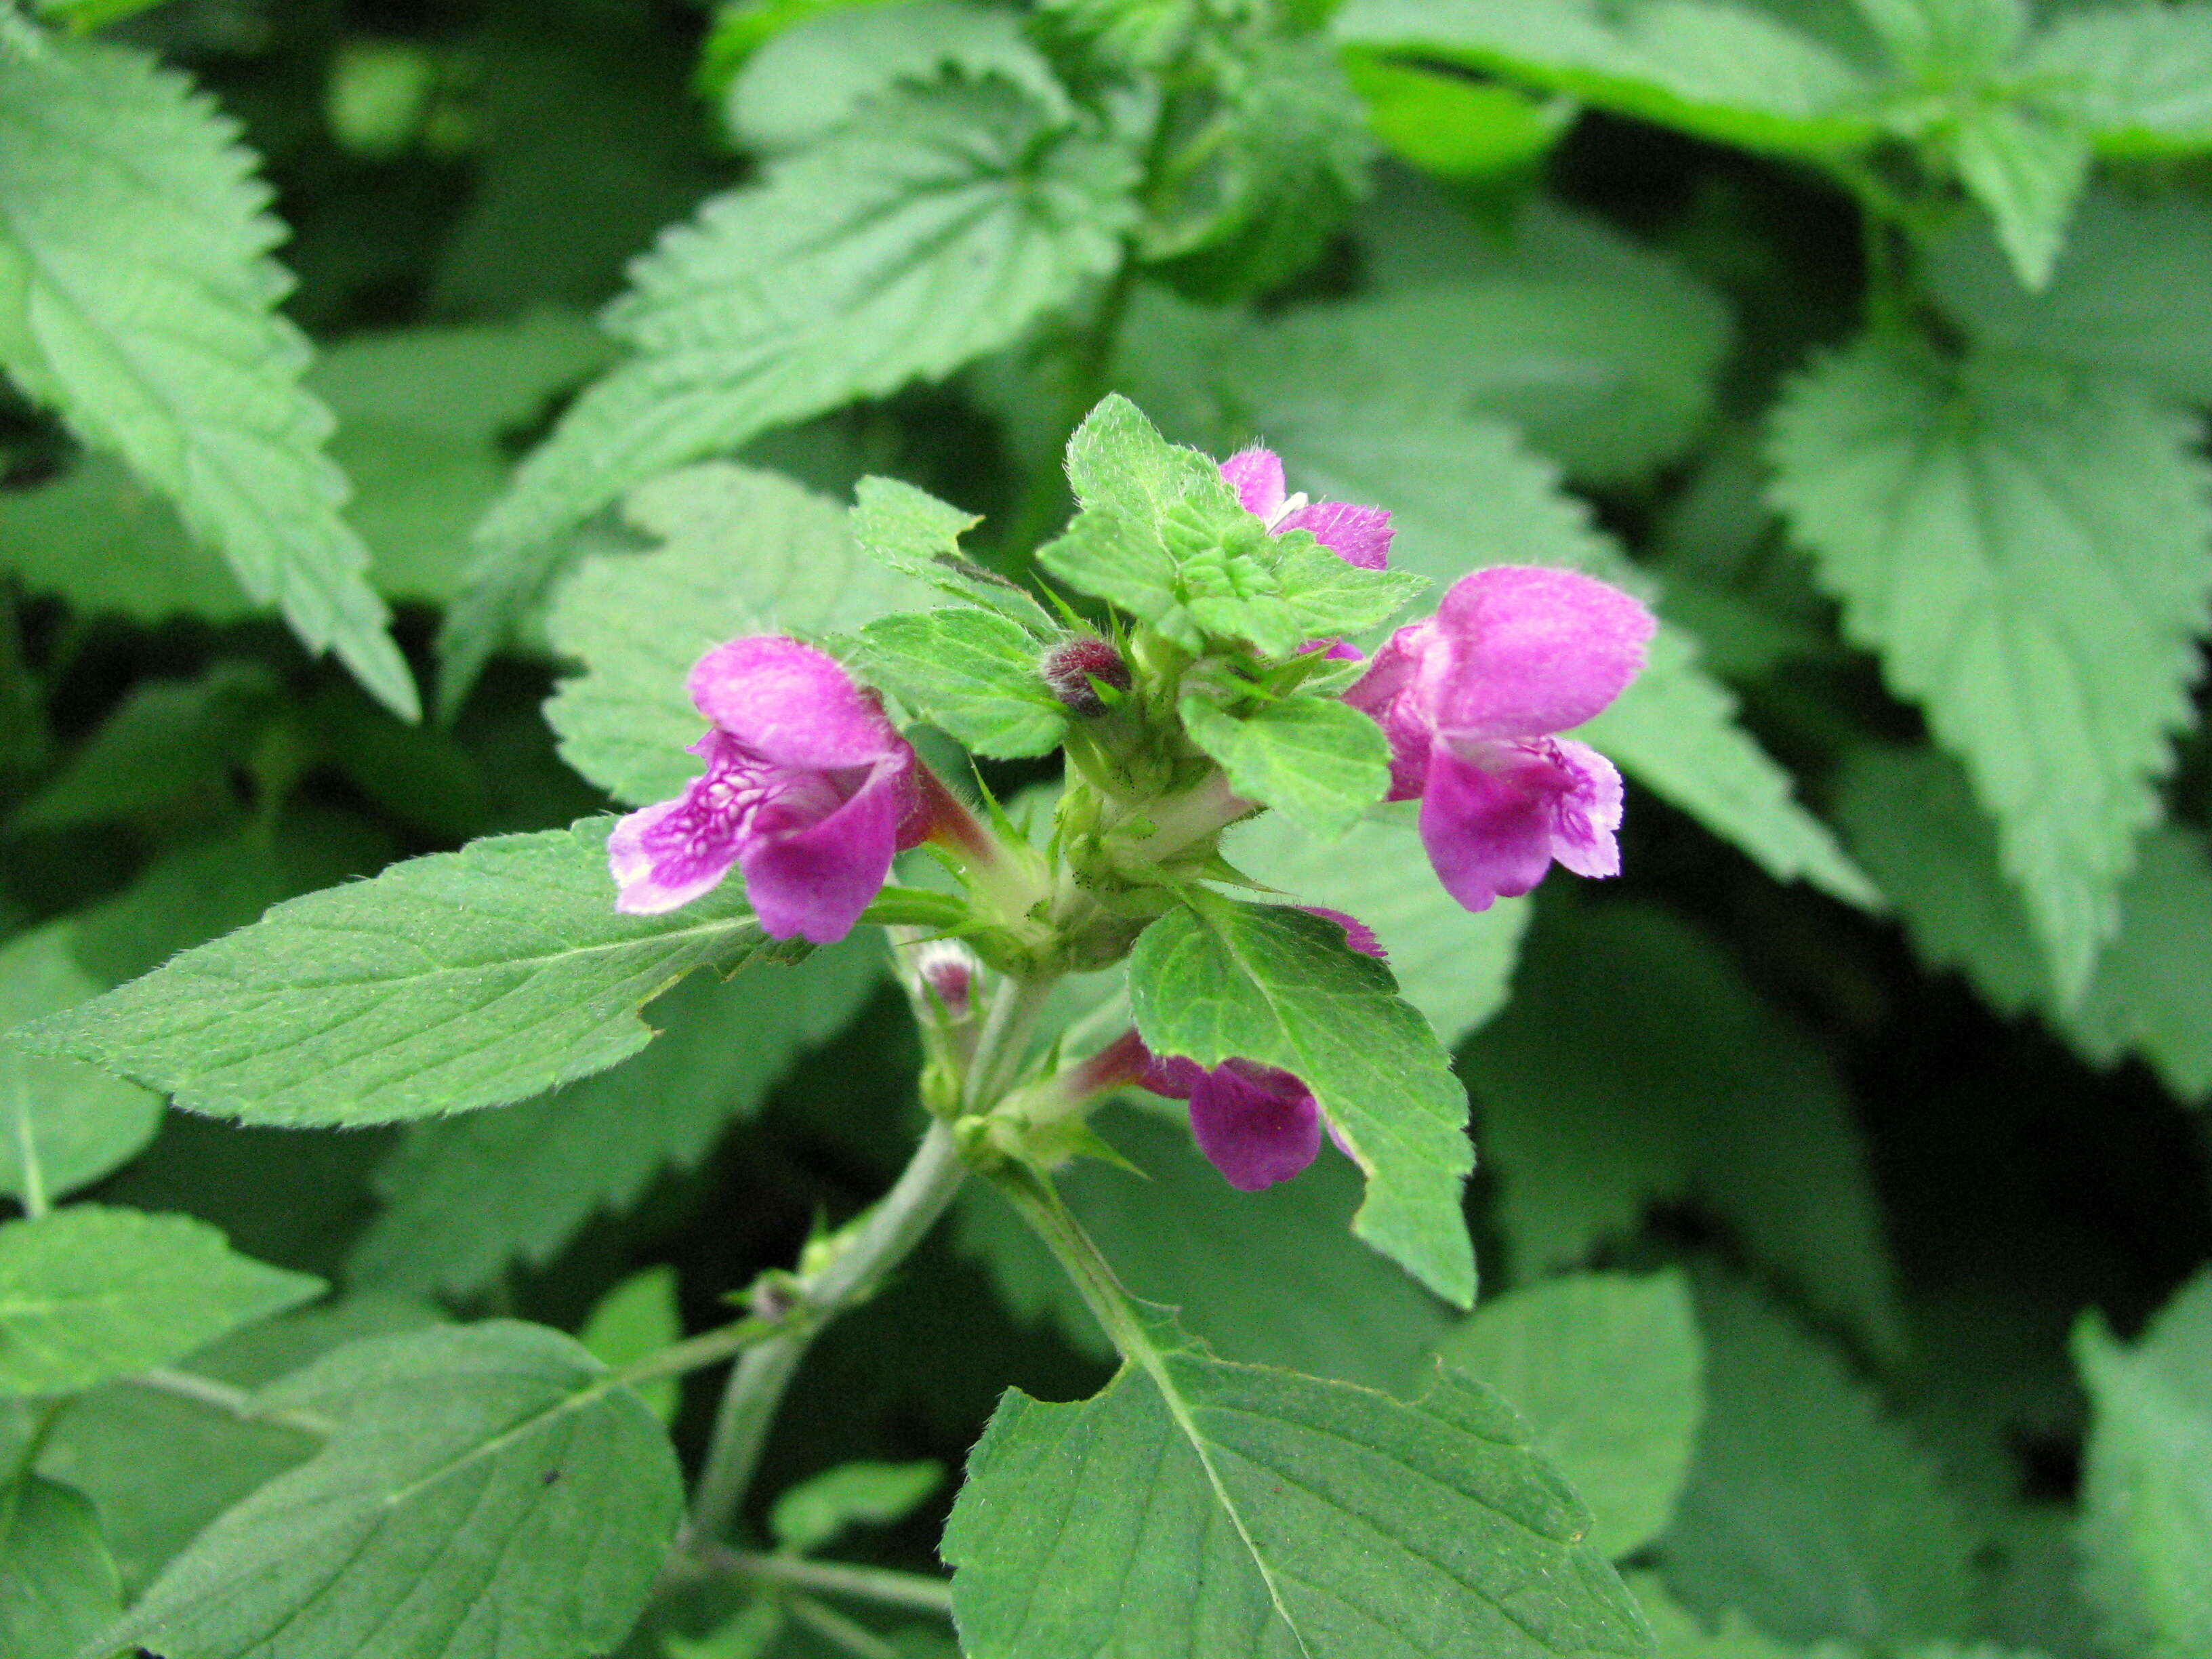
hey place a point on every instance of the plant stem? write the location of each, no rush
(872, 1245)
(1012, 1016)
(233, 1402)
(904, 1590)
(839, 1631)
(1038, 1203)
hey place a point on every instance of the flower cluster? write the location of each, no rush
(810, 790)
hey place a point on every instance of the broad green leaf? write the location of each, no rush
(485, 1489)
(1319, 762)
(1607, 1370)
(1274, 984)
(1455, 966)
(58, 1583)
(812, 78)
(63, 1124)
(1683, 1636)
(634, 1321)
(148, 317)
(918, 536)
(166, 740)
(810, 1514)
(1731, 72)
(465, 1197)
(1197, 1506)
(901, 249)
(1807, 1509)
(2146, 1529)
(1272, 1277)
(1451, 124)
(1636, 1064)
(2131, 293)
(87, 1294)
(975, 673)
(449, 982)
(2137, 78)
(2027, 552)
(100, 539)
(742, 551)
(2029, 170)
(1912, 817)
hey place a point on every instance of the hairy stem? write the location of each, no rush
(903, 1589)
(1037, 1202)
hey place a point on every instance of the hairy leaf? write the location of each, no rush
(975, 673)
(1274, 984)
(2028, 554)
(135, 240)
(63, 1124)
(449, 982)
(1319, 762)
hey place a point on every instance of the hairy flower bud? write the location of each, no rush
(949, 968)
(1071, 667)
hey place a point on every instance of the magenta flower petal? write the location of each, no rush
(1256, 476)
(811, 874)
(659, 866)
(1587, 819)
(1496, 814)
(1171, 1075)
(1357, 933)
(1522, 651)
(1357, 535)
(1256, 1124)
(790, 704)
(1383, 694)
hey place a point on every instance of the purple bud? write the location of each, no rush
(1071, 667)
(949, 968)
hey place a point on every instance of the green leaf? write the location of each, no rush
(1636, 1064)
(465, 1197)
(810, 1514)
(1808, 1508)
(1272, 1277)
(1455, 966)
(2137, 78)
(2146, 1532)
(742, 551)
(812, 78)
(1222, 980)
(2028, 554)
(1607, 1370)
(1735, 73)
(898, 250)
(918, 536)
(99, 539)
(2028, 171)
(1451, 124)
(634, 1321)
(975, 673)
(1197, 1506)
(483, 1486)
(58, 1583)
(449, 982)
(63, 1125)
(1319, 762)
(87, 1294)
(148, 317)
(1683, 1636)
(165, 741)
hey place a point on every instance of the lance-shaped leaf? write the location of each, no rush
(63, 1124)
(486, 1489)
(87, 1294)
(898, 249)
(1200, 1507)
(2026, 550)
(1319, 762)
(1218, 980)
(137, 296)
(449, 983)
(975, 673)
(58, 1587)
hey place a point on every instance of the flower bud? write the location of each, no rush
(949, 968)
(1071, 667)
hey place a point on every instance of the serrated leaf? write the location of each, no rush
(1274, 984)
(2028, 553)
(1272, 1277)
(1807, 1509)
(63, 1124)
(918, 536)
(58, 1583)
(485, 1487)
(1455, 966)
(2146, 1530)
(100, 539)
(149, 319)
(808, 1515)
(1636, 1064)
(634, 1321)
(1732, 72)
(88, 1294)
(1319, 762)
(1450, 124)
(1607, 1370)
(1198, 1506)
(1682, 1635)
(2028, 171)
(742, 551)
(465, 1197)
(449, 982)
(974, 673)
(898, 250)
(2138, 78)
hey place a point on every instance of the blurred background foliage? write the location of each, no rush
(1908, 1122)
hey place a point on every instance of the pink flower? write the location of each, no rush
(1469, 700)
(809, 790)
(1357, 535)
(1256, 1124)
